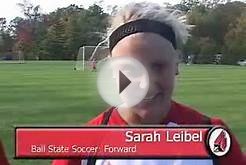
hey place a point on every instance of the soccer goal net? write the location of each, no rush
(89, 54)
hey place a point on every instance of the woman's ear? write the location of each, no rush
(178, 57)
(177, 69)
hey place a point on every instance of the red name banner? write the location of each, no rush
(111, 142)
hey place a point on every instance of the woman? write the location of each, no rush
(152, 34)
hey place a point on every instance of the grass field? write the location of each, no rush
(42, 93)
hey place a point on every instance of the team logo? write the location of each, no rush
(219, 141)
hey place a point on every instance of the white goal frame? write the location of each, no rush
(82, 50)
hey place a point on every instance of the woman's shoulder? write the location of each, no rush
(185, 114)
(98, 120)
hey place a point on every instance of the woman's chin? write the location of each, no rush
(149, 104)
(153, 104)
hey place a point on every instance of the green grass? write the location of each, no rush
(42, 93)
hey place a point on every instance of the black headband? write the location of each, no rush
(142, 25)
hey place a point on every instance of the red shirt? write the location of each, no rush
(182, 115)
(3, 158)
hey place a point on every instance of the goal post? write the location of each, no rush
(87, 53)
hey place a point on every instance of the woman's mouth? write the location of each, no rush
(152, 97)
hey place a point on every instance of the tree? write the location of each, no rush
(6, 40)
(187, 5)
(235, 40)
(211, 27)
(25, 30)
(2, 24)
(214, 3)
(55, 41)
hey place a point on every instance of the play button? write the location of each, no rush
(122, 81)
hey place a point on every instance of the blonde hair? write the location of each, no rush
(152, 11)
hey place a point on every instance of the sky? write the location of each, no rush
(9, 8)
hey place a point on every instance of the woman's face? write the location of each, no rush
(158, 57)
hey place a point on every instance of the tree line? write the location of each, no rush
(220, 28)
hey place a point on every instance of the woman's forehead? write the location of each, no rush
(147, 45)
